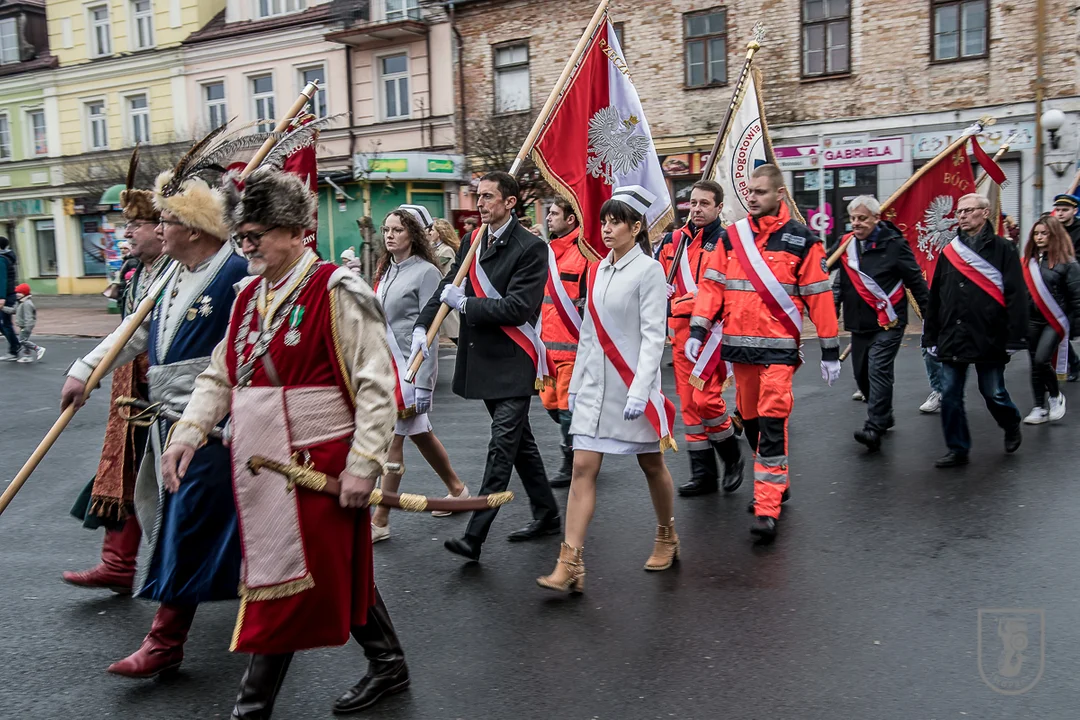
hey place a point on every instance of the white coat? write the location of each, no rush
(633, 293)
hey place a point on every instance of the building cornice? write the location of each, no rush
(247, 45)
(164, 61)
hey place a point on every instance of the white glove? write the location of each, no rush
(423, 400)
(932, 351)
(692, 349)
(830, 371)
(419, 343)
(1012, 352)
(453, 296)
(670, 291)
(634, 409)
(571, 402)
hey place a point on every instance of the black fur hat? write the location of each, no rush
(271, 198)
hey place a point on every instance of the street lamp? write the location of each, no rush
(1052, 120)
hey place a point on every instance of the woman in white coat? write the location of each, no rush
(615, 388)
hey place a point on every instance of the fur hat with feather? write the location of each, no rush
(269, 197)
(137, 204)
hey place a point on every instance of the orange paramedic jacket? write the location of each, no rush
(573, 274)
(702, 243)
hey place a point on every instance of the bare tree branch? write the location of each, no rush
(92, 176)
(494, 144)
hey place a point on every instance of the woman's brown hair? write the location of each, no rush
(418, 244)
(1059, 249)
(447, 233)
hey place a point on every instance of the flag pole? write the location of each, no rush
(736, 97)
(133, 321)
(526, 148)
(997, 156)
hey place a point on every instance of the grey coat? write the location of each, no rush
(404, 290)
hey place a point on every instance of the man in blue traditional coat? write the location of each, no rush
(190, 550)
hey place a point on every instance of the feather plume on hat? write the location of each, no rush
(137, 204)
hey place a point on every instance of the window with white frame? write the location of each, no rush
(100, 30)
(9, 41)
(262, 96)
(394, 74)
(142, 18)
(5, 138)
(97, 125)
(39, 142)
(216, 109)
(270, 8)
(312, 74)
(512, 78)
(402, 9)
(138, 108)
(45, 240)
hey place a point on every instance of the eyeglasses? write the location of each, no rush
(255, 238)
(170, 222)
(966, 211)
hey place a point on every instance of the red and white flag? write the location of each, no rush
(597, 139)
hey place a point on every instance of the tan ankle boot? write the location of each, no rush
(569, 573)
(665, 550)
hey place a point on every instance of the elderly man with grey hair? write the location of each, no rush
(876, 269)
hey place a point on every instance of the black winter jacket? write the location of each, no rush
(7, 277)
(963, 322)
(1063, 282)
(1074, 235)
(888, 260)
(490, 365)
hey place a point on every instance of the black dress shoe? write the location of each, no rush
(373, 688)
(465, 547)
(699, 486)
(870, 438)
(1013, 439)
(1073, 375)
(764, 527)
(535, 529)
(951, 459)
(783, 499)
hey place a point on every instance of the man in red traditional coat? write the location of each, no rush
(302, 370)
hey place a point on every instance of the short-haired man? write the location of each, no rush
(709, 429)
(1065, 208)
(878, 266)
(497, 359)
(108, 500)
(8, 282)
(191, 547)
(768, 269)
(977, 315)
(564, 300)
(302, 371)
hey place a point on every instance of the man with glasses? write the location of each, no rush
(876, 269)
(191, 549)
(977, 315)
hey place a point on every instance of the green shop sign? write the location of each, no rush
(21, 208)
(440, 166)
(389, 165)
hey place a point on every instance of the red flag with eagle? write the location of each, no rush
(597, 139)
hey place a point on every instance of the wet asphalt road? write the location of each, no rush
(867, 606)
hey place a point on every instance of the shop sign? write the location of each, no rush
(21, 208)
(928, 145)
(684, 164)
(409, 166)
(845, 151)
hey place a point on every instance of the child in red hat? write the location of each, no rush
(26, 319)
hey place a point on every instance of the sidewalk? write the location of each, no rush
(74, 316)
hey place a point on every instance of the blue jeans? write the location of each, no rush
(933, 371)
(992, 388)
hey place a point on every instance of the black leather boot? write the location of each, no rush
(734, 466)
(703, 474)
(566, 472)
(260, 685)
(387, 672)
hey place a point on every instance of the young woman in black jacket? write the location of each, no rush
(1052, 277)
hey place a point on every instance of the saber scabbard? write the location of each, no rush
(310, 479)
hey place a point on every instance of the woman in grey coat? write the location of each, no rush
(405, 280)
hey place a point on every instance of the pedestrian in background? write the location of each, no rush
(445, 243)
(1065, 207)
(26, 319)
(8, 300)
(1053, 282)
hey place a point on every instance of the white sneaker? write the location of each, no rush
(858, 396)
(40, 353)
(378, 534)
(1038, 416)
(1057, 407)
(443, 513)
(25, 359)
(932, 404)
(8, 357)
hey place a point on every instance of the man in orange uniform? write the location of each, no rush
(768, 269)
(558, 330)
(705, 418)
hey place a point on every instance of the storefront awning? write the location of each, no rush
(112, 195)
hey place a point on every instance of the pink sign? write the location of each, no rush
(876, 151)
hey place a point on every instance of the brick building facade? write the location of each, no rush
(884, 82)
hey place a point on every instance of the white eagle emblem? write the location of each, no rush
(614, 149)
(938, 226)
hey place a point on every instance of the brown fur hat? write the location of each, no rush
(139, 205)
(271, 198)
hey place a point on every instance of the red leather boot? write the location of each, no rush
(163, 647)
(116, 571)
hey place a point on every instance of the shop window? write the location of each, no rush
(826, 37)
(93, 247)
(959, 29)
(512, 84)
(45, 242)
(842, 185)
(705, 48)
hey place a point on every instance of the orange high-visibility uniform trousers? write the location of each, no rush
(696, 438)
(557, 395)
(763, 394)
(710, 406)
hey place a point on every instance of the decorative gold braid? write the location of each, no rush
(239, 620)
(375, 498)
(412, 503)
(498, 499)
(277, 592)
(668, 443)
(696, 382)
(178, 423)
(336, 337)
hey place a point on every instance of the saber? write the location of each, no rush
(312, 479)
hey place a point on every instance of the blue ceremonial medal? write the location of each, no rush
(292, 336)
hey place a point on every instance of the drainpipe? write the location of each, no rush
(431, 97)
(460, 41)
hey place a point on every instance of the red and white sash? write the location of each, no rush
(659, 411)
(870, 291)
(1050, 310)
(975, 268)
(684, 277)
(526, 336)
(709, 359)
(765, 283)
(404, 391)
(564, 306)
